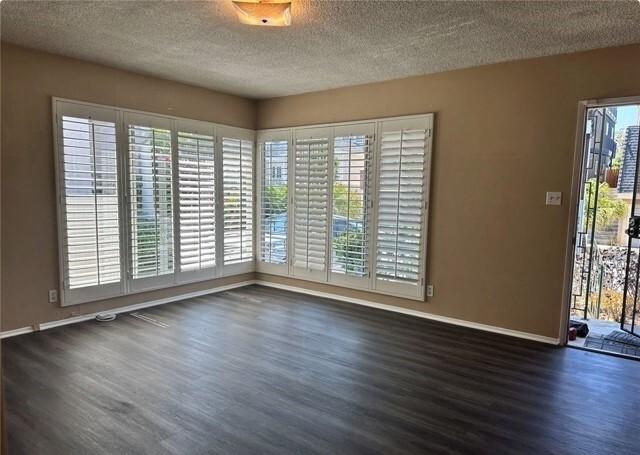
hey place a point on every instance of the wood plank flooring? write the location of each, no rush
(261, 370)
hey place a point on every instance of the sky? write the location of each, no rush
(627, 115)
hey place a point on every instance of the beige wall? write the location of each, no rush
(504, 135)
(29, 242)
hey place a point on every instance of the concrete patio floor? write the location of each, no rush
(597, 329)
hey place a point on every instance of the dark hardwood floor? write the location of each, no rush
(260, 370)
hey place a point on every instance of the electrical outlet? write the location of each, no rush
(53, 295)
(430, 290)
(554, 198)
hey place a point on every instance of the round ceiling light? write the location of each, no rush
(266, 13)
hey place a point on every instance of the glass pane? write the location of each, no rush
(351, 168)
(150, 174)
(274, 203)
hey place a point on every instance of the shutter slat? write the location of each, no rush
(237, 164)
(90, 202)
(401, 205)
(151, 195)
(196, 187)
(310, 202)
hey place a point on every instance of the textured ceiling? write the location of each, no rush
(330, 43)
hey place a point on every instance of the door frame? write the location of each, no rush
(576, 175)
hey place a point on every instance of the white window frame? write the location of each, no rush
(261, 138)
(243, 135)
(90, 293)
(127, 286)
(151, 121)
(332, 130)
(341, 279)
(397, 288)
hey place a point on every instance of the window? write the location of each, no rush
(311, 194)
(274, 202)
(197, 199)
(350, 204)
(150, 197)
(88, 187)
(402, 187)
(359, 201)
(150, 201)
(237, 162)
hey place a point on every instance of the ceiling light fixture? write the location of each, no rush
(264, 12)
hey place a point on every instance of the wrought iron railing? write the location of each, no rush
(595, 285)
(589, 274)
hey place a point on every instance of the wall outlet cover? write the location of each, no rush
(53, 296)
(554, 198)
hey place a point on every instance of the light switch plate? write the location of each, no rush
(554, 198)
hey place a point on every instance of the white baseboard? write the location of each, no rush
(382, 306)
(420, 314)
(15, 332)
(125, 309)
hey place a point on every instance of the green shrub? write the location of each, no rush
(348, 247)
(609, 209)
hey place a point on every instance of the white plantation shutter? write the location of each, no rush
(196, 199)
(274, 202)
(351, 204)
(401, 206)
(237, 169)
(87, 165)
(344, 204)
(150, 200)
(311, 197)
